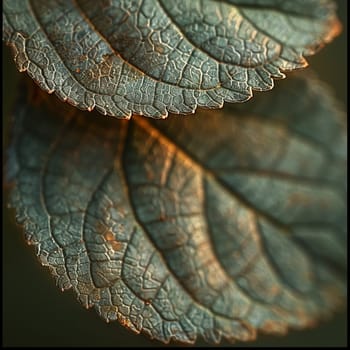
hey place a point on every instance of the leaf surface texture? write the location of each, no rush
(154, 57)
(217, 225)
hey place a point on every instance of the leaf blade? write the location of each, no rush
(147, 233)
(156, 57)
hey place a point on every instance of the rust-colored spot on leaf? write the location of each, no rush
(109, 237)
(125, 322)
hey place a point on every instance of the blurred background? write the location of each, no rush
(36, 313)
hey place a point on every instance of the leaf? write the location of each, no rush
(154, 57)
(183, 228)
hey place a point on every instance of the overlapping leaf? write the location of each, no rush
(217, 225)
(154, 57)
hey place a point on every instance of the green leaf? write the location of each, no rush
(154, 57)
(218, 225)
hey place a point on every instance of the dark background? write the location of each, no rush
(36, 313)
